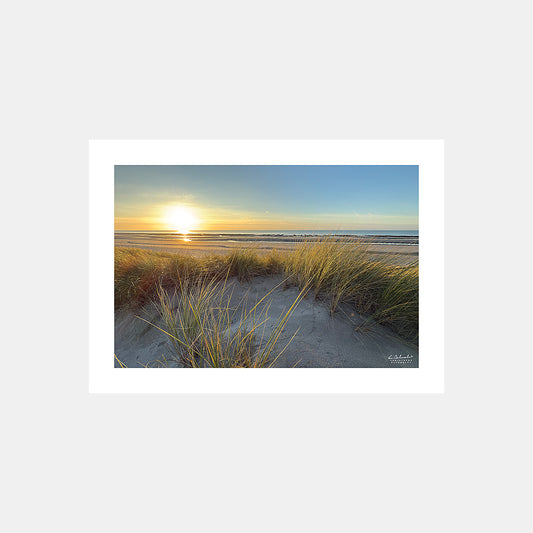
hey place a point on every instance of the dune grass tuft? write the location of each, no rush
(207, 330)
(138, 272)
(346, 272)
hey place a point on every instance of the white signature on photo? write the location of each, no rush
(398, 358)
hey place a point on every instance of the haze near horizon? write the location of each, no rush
(271, 197)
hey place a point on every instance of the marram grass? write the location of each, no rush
(344, 273)
(207, 330)
(138, 272)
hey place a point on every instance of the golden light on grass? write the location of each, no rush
(182, 219)
(345, 274)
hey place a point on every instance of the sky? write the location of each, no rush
(211, 197)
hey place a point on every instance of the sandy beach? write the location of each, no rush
(402, 249)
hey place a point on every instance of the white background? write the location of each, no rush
(428, 155)
(73, 71)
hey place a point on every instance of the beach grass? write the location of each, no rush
(344, 271)
(139, 272)
(341, 272)
(207, 329)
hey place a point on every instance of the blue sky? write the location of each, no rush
(269, 197)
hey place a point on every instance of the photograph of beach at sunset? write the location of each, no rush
(275, 266)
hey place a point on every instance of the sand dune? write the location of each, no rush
(344, 340)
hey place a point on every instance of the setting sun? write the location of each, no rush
(182, 219)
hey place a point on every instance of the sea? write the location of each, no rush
(166, 238)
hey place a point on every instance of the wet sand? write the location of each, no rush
(404, 249)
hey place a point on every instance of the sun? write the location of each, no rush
(182, 219)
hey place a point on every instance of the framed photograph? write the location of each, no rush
(266, 266)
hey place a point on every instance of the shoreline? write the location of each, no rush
(385, 239)
(405, 247)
